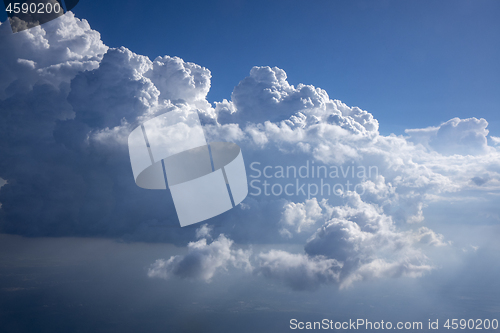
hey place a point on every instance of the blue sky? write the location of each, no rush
(82, 247)
(404, 61)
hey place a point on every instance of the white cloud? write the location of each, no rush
(180, 81)
(67, 105)
(202, 261)
(299, 271)
(427, 236)
(456, 136)
(53, 53)
(204, 231)
(117, 86)
(495, 139)
(360, 239)
(300, 216)
(379, 268)
(267, 95)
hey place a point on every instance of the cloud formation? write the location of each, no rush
(456, 136)
(363, 242)
(300, 216)
(66, 115)
(203, 259)
(357, 242)
(68, 103)
(51, 54)
(299, 271)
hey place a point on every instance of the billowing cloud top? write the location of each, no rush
(68, 103)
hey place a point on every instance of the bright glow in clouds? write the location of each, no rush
(68, 104)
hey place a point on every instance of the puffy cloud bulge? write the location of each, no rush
(68, 103)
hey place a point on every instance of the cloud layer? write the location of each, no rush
(68, 103)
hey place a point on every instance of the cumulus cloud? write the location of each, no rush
(435, 160)
(204, 231)
(68, 103)
(66, 115)
(456, 136)
(427, 236)
(119, 87)
(275, 119)
(203, 260)
(180, 81)
(299, 271)
(52, 54)
(266, 95)
(357, 242)
(300, 216)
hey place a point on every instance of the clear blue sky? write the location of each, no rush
(410, 63)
